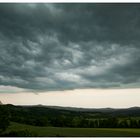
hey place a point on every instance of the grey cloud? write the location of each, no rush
(72, 22)
(69, 46)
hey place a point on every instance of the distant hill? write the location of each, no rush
(0, 103)
(52, 110)
(120, 111)
(58, 110)
(78, 109)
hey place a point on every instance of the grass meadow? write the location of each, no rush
(75, 132)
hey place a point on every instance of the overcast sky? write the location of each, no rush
(69, 46)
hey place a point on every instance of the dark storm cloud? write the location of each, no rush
(69, 46)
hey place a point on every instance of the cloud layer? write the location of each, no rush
(69, 46)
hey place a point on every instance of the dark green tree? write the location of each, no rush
(4, 118)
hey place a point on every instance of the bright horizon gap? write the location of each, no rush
(83, 98)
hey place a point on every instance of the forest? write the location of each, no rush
(67, 118)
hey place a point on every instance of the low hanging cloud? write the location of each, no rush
(69, 46)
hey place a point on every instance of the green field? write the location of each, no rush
(75, 132)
